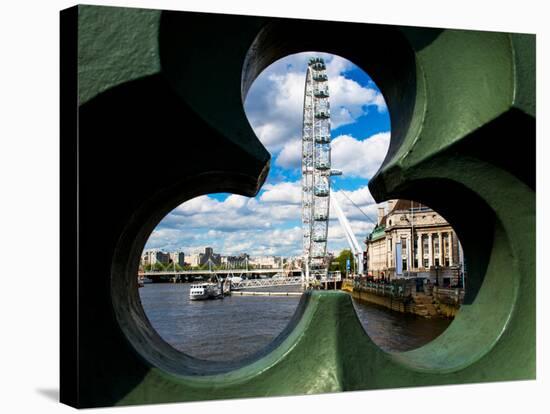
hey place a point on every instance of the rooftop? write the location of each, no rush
(401, 205)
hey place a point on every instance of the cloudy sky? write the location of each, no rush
(269, 224)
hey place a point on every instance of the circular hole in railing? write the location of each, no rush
(491, 288)
(430, 288)
(256, 245)
(415, 277)
(210, 287)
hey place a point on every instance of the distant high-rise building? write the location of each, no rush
(265, 262)
(209, 256)
(152, 257)
(178, 258)
(192, 260)
(235, 262)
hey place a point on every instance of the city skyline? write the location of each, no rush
(269, 224)
(202, 250)
(152, 257)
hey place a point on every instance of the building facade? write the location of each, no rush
(178, 258)
(412, 240)
(235, 262)
(209, 257)
(192, 259)
(152, 257)
(265, 262)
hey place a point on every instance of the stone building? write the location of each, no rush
(434, 253)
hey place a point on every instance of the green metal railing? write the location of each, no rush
(457, 100)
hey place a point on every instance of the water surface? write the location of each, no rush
(238, 326)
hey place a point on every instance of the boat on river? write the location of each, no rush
(143, 280)
(203, 291)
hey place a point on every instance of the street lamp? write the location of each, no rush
(436, 275)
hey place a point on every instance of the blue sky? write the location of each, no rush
(269, 224)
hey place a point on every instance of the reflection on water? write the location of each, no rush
(394, 331)
(238, 326)
(220, 330)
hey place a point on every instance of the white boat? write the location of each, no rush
(235, 279)
(143, 280)
(232, 283)
(202, 291)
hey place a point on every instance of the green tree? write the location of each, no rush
(342, 259)
(158, 267)
(334, 265)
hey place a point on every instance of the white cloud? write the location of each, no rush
(285, 192)
(337, 65)
(274, 105)
(355, 205)
(235, 225)
(360, 197)
(202, 204)
(291, 154)
(340, 116)
(348, 100)
(359, 158)
(236, 201)
(270, 242)
(274, 108)
(258, 225)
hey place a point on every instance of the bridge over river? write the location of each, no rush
(242, 278)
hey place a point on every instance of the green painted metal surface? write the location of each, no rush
(112, 51)
(456, 100)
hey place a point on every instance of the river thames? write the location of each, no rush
(238, 326)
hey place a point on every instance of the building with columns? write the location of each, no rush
(412, 240)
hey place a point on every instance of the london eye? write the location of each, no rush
(316, 170)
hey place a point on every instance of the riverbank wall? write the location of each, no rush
(395, 304)
(434, 305)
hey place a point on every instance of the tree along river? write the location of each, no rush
(238, 326)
